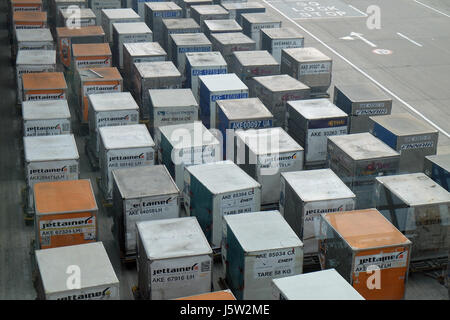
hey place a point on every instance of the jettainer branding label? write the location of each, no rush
(102, 293)
(275, 263)
(52, 171)
(46, 127)
(382, 261)
(39, 95)
(93, 62)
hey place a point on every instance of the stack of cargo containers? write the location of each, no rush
(236, 9)
(173, 26)
(221, 26)
(252, 23)
(275, 40)
(155, 12)
(123, 15)
(44, 86)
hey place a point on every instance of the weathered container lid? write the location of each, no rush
(131, 27)
(172, 98)
(44, 80)
(222, 176)
(69, 196)
(232, 38)
(415, 189)
(30, 16)
(308, 54)
(260, 17)
(182, 23)
(242, 5)
(316, 108)
(202, 59)
(255, 57)
(209, 9)
(244, 109)
(50, 148)
(36, 57)
(362, 146)
(317, 185)
(126, 137)
(222, 24)
(442, 160)
(282, 33)
(46, 109)
(162, 6)
(84, 13)
(26, 2)
(260, 141)
(190, 39)
(262, 231)
(90, 49)
(319, 285)
(39, 35)
(364, 229)
(91, 258)
(280, 83)
(223, 82)
(404, 124)
(146, 181)
(173, 238)
(157, 69)
(216, 295)
(64, 32)
(366, 92)
(194, 130)
(107, 74)
(120, 13)
(112, 101)
(138, 49)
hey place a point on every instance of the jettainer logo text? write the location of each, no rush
(88, 296)
(168, 271)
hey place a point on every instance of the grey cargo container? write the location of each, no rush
(252, 23)
(236, 9)
(200, 13)
(98, 5)
(170, 26)
(85, 17)
(186, 5)
(47, 117)
(110, 16)
(221, 26)
(227, 43)
(276, 39)
(155, 12)
(33, 39)
(438, 168)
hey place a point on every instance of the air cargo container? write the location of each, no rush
(29, 20)
(142, 194)
(46, 118)
(216, 295)
(217, 190)
(107, 110)
(129, 32)
(275, 91)
(123, 147)
(227, 43)
(44, 86)
(201, 64)
(187, 144)
(172, 26)
(95, 80)
(240, 114)
(33, 39)
(56, 5)
(122, 15)
(318, 285)
(33, 61)
(200, 13)
(170, 106)
(26, 5)
(264, 154)
(49, 158)
(376, 266)
(361, 101)
(358, 159)
(91, 55)
(237, 8)
(155, 12)
(221, 26)
(174, 259)
(418, 207)
(308, 65)
(437, 168)
(66, 213)
(186, 5)
(98, 5)
(66, 37)
(310, 122)
(153, 75)
(218, 87)
(276, 39)
(99, 281)
(412, 138)
(252, 23)
(260, 247)
(304, 195)
(85, 17)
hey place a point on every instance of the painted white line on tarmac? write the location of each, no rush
(356, 9)
(425, 5)
(406, 104)
(410, 40)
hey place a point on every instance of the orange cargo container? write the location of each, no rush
(217, 295)
(357, 242)
(44, 86)
(29, 19)
(89, 55)
(66, 213)
(26, 5)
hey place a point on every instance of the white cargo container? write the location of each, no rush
(200, 13)
(319, 285)
(305, 195)
(129, 32)
(187, 144)
(221, 26)
(142, 194)
(276, 39)
(264, 154)
(34, 39)
(98, 5)
(46, 118)
(252, 23)
(123, 147)
(275, 91)
(54, 7)
(420, 209)
(85, 17)
(155, 12)
(216, 190)
(218, 87)
(122, 15)
(49, 158)
(310, 122)
(106, 110)
(172, 26)
(186, 5)
(201, 64)
(308, 65)
(227, 43)
(237, 8)
(260, 247)
(33, 61)
(438, 168)
(174, 259)
(99, 281)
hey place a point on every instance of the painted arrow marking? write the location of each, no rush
(360, 36)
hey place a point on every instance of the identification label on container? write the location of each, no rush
(381, 261)
(316, 142)
(258, 26)
(89, 63)
(117, 118)
(52, 171)
(35, 45)
(287, 43)
(275, 263)
(238, 202)
(315, 68)
(152, 58)
(251, 124)
(101, 88)
(85, 226)
(104, 293)
(174, 116)
(278, 161)
(417, 145)
(46, 127)
(195, 155)
(30, 96)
